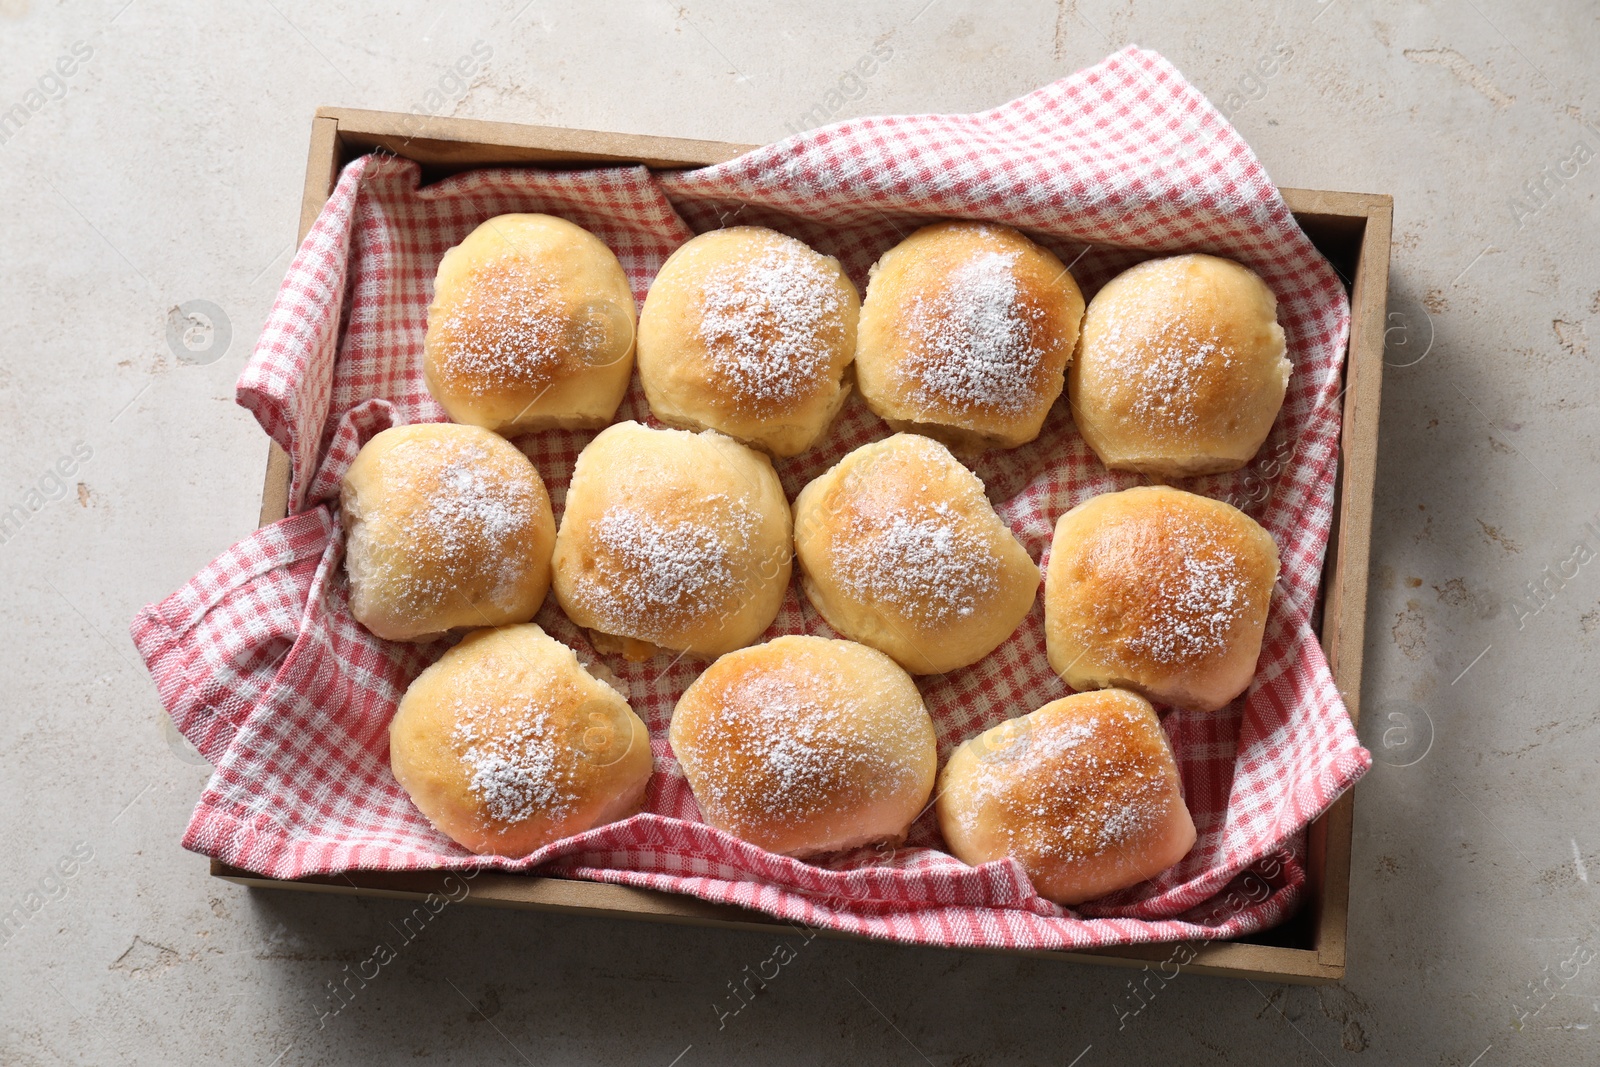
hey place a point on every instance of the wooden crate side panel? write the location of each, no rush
(472, 142)
(1345, 602)
(1345, 606)
(601, 900)
(322, 171)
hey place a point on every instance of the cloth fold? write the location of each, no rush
(261, 665)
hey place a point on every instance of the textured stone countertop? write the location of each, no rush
(165, 165)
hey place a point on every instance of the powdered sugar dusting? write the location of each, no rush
(1161, 364)
(516, 770)
(513, 325)
(793, 746)
(771, 325)
(1075, 791)
(927, 562)
(1193, 615)
(514, 756)
(505, 329)
(474, 514)
(468, 507)
(651, 574)
(973, 344)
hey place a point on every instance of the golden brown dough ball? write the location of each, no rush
(900, 549)
(805, 745)
(966, 333)
(748, 332)
(507, 744)
(1084, 793)
(672, 540)
(1181, 369)
(1159, 591)
(531, 326)
(446, 527)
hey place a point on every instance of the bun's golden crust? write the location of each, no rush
(966, 333)
(1181, 369)
(748, 332)
(446, 527)
(1159, 591)
(805, 745)
(672, 540)
(531, 326)
(507, 744)
(901, 550)
(1084, 793)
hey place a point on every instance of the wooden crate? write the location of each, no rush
(1351, 229)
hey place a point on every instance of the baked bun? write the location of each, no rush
(805, 745)
(1083, 793)
(1159, 591)
(531, 327)
(507, 744)
(1181, 369)
(901, 550)
(965, 334)
(445, 527)
(748, 332)
(672, 540)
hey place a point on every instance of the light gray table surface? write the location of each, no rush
(167, 167)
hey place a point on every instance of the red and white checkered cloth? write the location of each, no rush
(261, 665)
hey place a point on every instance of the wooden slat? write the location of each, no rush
(341, 133)
(474, 142)
(1345, 604)
(275, 491)
(322, 171)
(602, 900)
